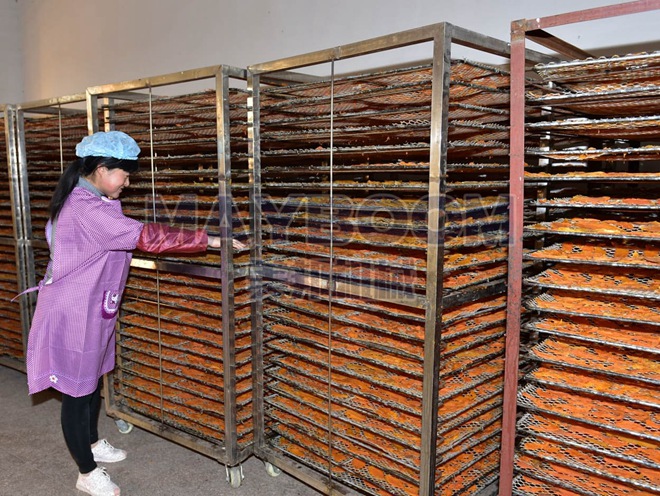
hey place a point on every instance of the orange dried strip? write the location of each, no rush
(556, 475)
(591, 463)
(469, 430)
(471, 357)
(462, 342)
(361, 370)
(597, 385)
(350, 382)
(138, 358)
(580, 200)
(604, 413)
(590, 438)
(601, 227)
(368, 464)
(311, 408)
(615, 333)
(601, 278)
(597, 358)
(458, 464)
(618, 307)
(473, 276)
(643, 255)
(471, 324)
(474, 478)
(348, 332)
(413, 367)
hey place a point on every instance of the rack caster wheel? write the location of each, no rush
(123, 427)
(235, 475)
(272, 470)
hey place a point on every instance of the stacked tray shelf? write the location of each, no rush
(179, 335)
(343, 368)
(50, 142)
(590, 400)
(11, 333)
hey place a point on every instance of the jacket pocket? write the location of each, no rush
(111, 300)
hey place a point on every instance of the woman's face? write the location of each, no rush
(110, 182)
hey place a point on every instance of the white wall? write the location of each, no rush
(68, 45)
(11, 67)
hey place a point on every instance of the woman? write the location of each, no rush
(71, 341)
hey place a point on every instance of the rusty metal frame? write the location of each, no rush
(442, 36)
(534, 30)
(229, 453)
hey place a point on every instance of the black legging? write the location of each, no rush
(80, 425)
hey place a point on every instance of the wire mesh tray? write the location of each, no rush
(560, 480)
(377, 376)
(625, 473)
(446, 471)
(605, 280)
(601, 202)
(603, 414)
(620, 335)
(298, 396)
(594, 382)
(344, 349)
(614, 254)
(647, 152)
(317, 303)
(360, 314)
(597, 176)
(637, 98)
(630, 67)
(346, 392)
(359, 336)
(360, 441)
(587, 438)
(607, 307)
(381, 470)
(599, 228)
(180, 358)
(347, 469)
(640, 128)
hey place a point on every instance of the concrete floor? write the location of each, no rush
(34, 460)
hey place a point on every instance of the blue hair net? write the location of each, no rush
(113, 144)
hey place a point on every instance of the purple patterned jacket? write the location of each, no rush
(71, 341)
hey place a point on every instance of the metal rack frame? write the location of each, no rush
(17, 214)
(229, 452)
(533, 30)
(442, 36)
(25, 242)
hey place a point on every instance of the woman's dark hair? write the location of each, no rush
(83, 167)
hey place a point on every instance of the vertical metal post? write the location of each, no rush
(256, 280)
(227, 264)
(514, 296)
(23, 221)
(18, 217)
(92, 102)
(435, 255)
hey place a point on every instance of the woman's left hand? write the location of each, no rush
(216, 242)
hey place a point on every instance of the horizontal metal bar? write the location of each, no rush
(396, 40)
(311, 477)
(590, 14)
(397, 297)
(50, 102)
(166, 79)
(182, 268)
(547, 40)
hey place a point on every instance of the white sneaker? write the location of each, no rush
(104, 452)
(97, 483)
